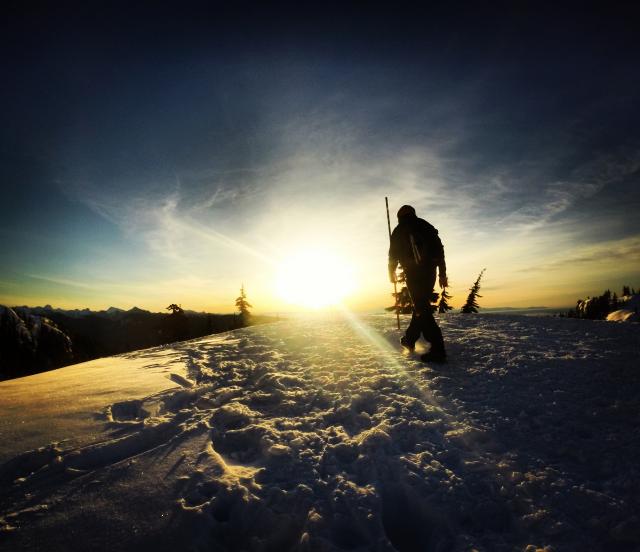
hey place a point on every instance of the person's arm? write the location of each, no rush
(393, 260)
(392, 271)
(442, 265)
(442, 274)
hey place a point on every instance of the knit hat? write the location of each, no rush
(406, 211)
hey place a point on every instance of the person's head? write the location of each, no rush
(406, 212)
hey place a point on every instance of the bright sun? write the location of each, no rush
(315, 278)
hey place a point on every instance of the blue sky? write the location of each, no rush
(150, 157)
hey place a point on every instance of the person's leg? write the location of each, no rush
(433, 335)
(419, 299)
(413, 332)
(420, 287)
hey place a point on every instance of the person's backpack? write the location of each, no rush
(425, 245)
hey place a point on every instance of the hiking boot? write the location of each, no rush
(439, 358)
(407, 344)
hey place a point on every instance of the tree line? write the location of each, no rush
(597, 308)
(439, 301)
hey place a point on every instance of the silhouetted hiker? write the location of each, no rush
(415, 244)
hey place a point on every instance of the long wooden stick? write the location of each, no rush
(395, 286)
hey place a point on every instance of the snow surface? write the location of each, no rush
(64, 404)
(319, 434)
(623, 315)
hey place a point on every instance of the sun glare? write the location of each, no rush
(314, 279)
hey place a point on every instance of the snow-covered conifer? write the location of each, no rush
(472, 305)
(443, 304)
(242, 304)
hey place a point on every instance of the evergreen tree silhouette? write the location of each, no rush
(626, 290)
(176, 324)
(175, 309)
(402, 301)
(402, 298)
(243, 305)
(443, 304)
(596, 308)
(472, 305)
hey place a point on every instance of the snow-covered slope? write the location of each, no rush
(318, 434)
(67, 404)
(623, 315)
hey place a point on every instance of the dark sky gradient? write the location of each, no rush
(528, 121)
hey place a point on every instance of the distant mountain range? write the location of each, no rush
(35, 339)
(47, 310)
(514, 308)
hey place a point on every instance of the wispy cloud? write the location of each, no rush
(625, 252)
(64, 281)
